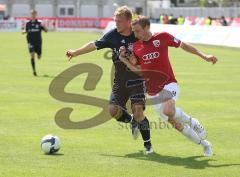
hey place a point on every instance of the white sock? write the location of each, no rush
(191, 134)
(182, 116)
(204, 143)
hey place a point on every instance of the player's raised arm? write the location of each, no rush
(89, 47)
(189, 48)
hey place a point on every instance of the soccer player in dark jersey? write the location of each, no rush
(150, 58)
(34, 29)
(127, 84)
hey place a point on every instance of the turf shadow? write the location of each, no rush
(55, 154)
(192, 162)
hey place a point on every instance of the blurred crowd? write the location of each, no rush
(180, 20)
(221, 21)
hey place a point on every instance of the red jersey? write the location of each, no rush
(153, 57)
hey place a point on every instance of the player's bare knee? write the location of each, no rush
(138, 112)
(170, 112)
(114, 111)
(177, 125)
(138, 116)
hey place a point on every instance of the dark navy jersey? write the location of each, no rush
(115, 40)
(34, 29)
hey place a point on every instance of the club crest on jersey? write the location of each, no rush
(123, 41)
(156, 43)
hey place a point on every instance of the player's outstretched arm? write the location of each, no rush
(89, 47)
(189, 48)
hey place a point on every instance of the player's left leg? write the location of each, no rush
(185, 129)
(168, 111)
(192, 122)
(38, 50)
(137, 97)
(180, 115)
(143, 125)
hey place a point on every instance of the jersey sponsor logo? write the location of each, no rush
(156, 43)
(33, 30)
(150, 56)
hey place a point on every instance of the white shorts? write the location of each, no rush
(170, 91)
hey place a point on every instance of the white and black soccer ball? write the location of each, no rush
(50, 144)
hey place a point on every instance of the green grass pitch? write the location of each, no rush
(210, 93)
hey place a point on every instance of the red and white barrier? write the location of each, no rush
(58, 24)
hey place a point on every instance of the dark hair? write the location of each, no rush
(142, 21)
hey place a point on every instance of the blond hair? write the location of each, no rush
(123, 11)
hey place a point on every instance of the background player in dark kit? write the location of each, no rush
(34, 29)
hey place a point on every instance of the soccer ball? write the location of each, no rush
(50, 144)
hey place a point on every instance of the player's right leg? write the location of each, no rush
(121, 115)
(33, 64)
(117, 105)
(32, 58)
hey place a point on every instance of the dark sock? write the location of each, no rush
(126, 118)
(33, 64)
(145, 131)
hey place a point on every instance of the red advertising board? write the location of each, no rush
(72, 23)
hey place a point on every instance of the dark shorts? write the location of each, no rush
(133, 90)
(35, 48)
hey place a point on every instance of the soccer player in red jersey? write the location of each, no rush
(150, 59)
